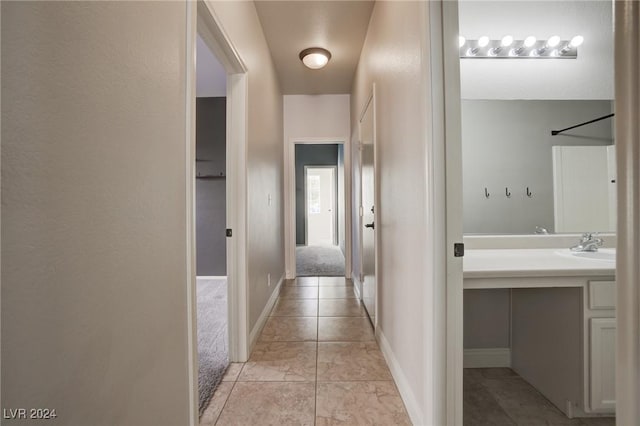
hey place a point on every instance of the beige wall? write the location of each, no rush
(316, 116)
(94, 238)
(265, 164)
(392, 59)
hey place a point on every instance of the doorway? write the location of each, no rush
(318, 193)
(320, 211)
(216, 203)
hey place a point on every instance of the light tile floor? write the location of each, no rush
(316, 362)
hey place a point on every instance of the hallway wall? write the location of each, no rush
(395, 59)
(323, 117)
(94, 181)
(265, 218)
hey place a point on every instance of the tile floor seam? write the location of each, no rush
(233, 386)
(315, 406)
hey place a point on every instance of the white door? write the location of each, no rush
(368, 212)
(320, 188)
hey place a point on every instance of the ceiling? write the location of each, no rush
(338, 26)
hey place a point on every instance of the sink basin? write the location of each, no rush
(606, 255)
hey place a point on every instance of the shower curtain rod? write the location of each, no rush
(557, 132)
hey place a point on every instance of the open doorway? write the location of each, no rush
(210, 207)
(320, 209)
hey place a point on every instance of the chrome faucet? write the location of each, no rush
(588, 242)
(541, 230)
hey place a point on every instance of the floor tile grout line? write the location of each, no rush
(315, 406)
(233, 386)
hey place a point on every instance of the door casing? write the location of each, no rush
(290, 199)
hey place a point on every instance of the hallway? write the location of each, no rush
(316, 362)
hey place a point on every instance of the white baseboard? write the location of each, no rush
(487, 358)
(357, 285)
(409, 399)
(262, 319)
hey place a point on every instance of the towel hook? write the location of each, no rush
(506, 191)
(529, 193)
(486, 193)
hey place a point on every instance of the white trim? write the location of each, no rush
(487, 358)
(409, 399)
(290, 196)
(211, 277)
(190, 225)
(237, 264)
(627, 90)
(443, 344)
(357, 285)
(264, 315)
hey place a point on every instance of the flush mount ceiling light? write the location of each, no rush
(530, 47)
(315, 57)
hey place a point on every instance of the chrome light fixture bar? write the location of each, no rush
(529, 48)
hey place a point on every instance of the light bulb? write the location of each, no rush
(576, 41)
(553, 41)
(461, 41)
(483, 41)
(529, 41)
(506, 41)
(315, 60)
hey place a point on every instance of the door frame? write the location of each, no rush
(335, 202)
(201, 19)
(371, 100)
(290, 199)
(446, 220)
(627, 128)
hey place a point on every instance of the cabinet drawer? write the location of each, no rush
(602, 294)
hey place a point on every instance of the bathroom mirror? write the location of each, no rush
(512, 102)
(518, 178)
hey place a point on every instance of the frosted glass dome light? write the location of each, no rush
(315, 57)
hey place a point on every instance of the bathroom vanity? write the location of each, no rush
(562, 321)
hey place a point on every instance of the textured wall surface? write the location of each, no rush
(94, 237)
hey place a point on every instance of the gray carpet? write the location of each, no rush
(213, 348)
(319, 260)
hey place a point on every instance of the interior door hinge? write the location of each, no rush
(458, 249)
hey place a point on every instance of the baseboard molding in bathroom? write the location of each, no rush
(487, 358)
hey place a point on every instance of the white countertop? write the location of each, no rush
(512, 263)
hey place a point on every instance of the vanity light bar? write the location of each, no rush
(529, 48)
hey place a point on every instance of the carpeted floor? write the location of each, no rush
(213, 347)
(319, 260)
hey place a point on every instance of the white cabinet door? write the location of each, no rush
(603, 364)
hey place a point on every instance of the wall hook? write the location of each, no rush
(486, 193)
(506, 191)
(529, 193)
